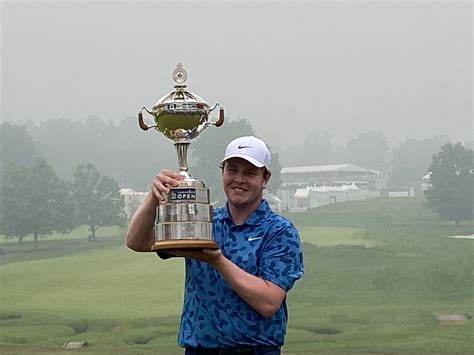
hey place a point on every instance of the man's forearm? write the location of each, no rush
(140, 235)
(263, 296)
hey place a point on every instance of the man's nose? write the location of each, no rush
(239, 176)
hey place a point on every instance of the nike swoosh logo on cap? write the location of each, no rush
(243, 146)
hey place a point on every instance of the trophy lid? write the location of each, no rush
(181, 99)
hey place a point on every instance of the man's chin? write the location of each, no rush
(241, 206)
(239, 203)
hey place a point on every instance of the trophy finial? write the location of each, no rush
(179, 74)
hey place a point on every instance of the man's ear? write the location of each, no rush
(266, 176)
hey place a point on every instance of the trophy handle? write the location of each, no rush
(141, 123)
(220, 120)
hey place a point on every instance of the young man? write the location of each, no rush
(235, 297)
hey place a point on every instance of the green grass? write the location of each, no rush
(110, 283)
(113, 296)
(59, 244)
(332, 236)
(375, 272)
(81, 232)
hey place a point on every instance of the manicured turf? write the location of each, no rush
(332, 236)
(376, 272)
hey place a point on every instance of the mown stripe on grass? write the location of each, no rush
(332, 236)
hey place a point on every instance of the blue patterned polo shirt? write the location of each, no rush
(266, 245)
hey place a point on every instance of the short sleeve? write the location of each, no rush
(281, 259)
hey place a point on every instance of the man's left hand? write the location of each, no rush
(206, 255)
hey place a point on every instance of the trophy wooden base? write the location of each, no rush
(163, 247)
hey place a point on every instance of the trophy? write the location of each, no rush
(184, 219)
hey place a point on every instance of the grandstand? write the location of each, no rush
(306, 187)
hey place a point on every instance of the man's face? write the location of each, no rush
(243, 183)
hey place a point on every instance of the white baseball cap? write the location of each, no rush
(250, 148)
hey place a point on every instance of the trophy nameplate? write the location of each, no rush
(184, 219)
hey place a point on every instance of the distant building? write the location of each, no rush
(306, 187)
(425, 182)
(132, 200)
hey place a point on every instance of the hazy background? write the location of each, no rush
(403, 68)
(380, 84)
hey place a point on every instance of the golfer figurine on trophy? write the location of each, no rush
(184, 219)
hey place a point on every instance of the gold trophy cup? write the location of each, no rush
(184, 219)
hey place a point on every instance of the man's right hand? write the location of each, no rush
(140, 235)
(163, 181)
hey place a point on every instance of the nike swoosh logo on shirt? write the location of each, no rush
(253, 238)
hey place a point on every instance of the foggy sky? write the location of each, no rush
(403, 68)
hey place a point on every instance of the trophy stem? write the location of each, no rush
(182, 150)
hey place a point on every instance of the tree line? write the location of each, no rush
(44, 190)
(35, 201)
(132, 157)
(122, 150)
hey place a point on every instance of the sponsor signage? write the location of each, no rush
(398, 194)
(182, 194)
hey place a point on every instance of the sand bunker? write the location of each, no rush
(470, 236)
(452, 319)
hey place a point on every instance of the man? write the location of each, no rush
(235, 297)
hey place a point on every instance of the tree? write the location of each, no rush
(112, 148)
(316, 149)
(97, 199)
(147, 152)
(65, 142)
(369, 150)
(451, 194)
(16, 145)
(275, 180)
(410, 159)
(33, 200)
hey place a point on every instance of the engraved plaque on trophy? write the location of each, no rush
(184, 219)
